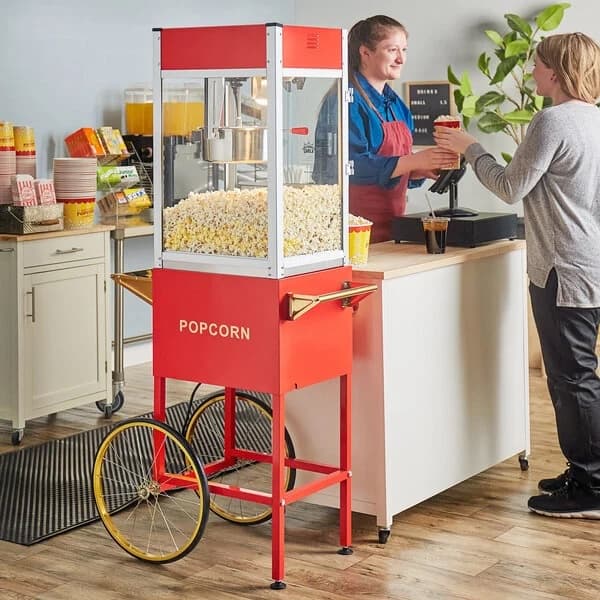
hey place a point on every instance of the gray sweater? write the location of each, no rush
(556, 172)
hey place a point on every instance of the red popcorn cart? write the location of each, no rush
(251, 290)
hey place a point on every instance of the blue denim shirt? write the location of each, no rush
(365, 136)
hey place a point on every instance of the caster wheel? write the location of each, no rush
(17, 436)
(384, 535)
(523, 463)
(110, 409)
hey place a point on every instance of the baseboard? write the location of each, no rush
(136, 354)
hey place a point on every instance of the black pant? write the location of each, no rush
(568, 342)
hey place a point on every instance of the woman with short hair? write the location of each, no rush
(556, 172)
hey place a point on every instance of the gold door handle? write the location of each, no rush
(300, 304)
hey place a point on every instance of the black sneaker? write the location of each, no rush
(553, 484)
(571, 501)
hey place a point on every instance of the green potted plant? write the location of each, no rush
(511, 102)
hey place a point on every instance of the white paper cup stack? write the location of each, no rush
(8, 168)
(25, 150)
(75, 186)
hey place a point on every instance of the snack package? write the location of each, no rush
(124, 202)
(84, 143)
(117, 178)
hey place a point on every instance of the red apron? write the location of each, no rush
(378, 204)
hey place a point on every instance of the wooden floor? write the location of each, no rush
(475, 541)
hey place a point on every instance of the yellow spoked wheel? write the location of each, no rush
(150, 490)
(205, 433)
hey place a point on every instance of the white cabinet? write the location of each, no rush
(54, 347)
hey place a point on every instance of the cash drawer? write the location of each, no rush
(63, 249)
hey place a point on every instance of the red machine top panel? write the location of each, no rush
(245, 47)
(234, 47)
(312, 48)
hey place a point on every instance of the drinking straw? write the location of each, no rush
(429, 203)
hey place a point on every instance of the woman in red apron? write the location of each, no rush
(380, 127)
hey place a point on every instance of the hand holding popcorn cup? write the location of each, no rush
(454, 123)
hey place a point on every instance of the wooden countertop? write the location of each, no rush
(7, 237)
(388, 260)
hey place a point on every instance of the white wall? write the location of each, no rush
(64, 64)
(443, 33)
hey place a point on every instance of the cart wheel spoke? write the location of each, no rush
(253, 418)
(146, 509)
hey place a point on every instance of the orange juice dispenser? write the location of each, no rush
(138, 110)
(183, 112)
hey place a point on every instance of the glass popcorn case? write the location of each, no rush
(241, 194)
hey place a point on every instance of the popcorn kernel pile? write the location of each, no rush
(234, 223)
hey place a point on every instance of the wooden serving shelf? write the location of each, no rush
(137, 282)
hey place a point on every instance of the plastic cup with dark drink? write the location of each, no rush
(435, 229)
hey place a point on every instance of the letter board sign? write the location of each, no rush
(426, 101)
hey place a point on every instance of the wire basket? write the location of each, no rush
(31, 219)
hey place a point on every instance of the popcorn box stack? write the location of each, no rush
(23, 190)
(44, 191)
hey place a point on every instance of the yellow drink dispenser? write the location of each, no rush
(183, 110)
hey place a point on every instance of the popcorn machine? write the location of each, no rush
(251, 288)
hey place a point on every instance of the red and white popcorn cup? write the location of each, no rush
(449, 121)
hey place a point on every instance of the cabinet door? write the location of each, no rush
(65, 337)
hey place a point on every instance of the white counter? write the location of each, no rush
(440, 376)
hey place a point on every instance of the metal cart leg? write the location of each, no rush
(118, 375)
(277, 501)
(112, 405)
(345, 462)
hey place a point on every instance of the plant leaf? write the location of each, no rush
(519, 117)
(465, 85)
(518, 24)
(511, 36)
(484, 64)
(458, 100)
(466, 121)
(495, 37)
(551, 17)
(452, 78)
(489, 99)
(515, 48)
(469, 104)
(504, 68)
(538, 102)
(491, 123)
(507, 157)
(499, 52)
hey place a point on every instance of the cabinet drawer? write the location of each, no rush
(63, 249)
